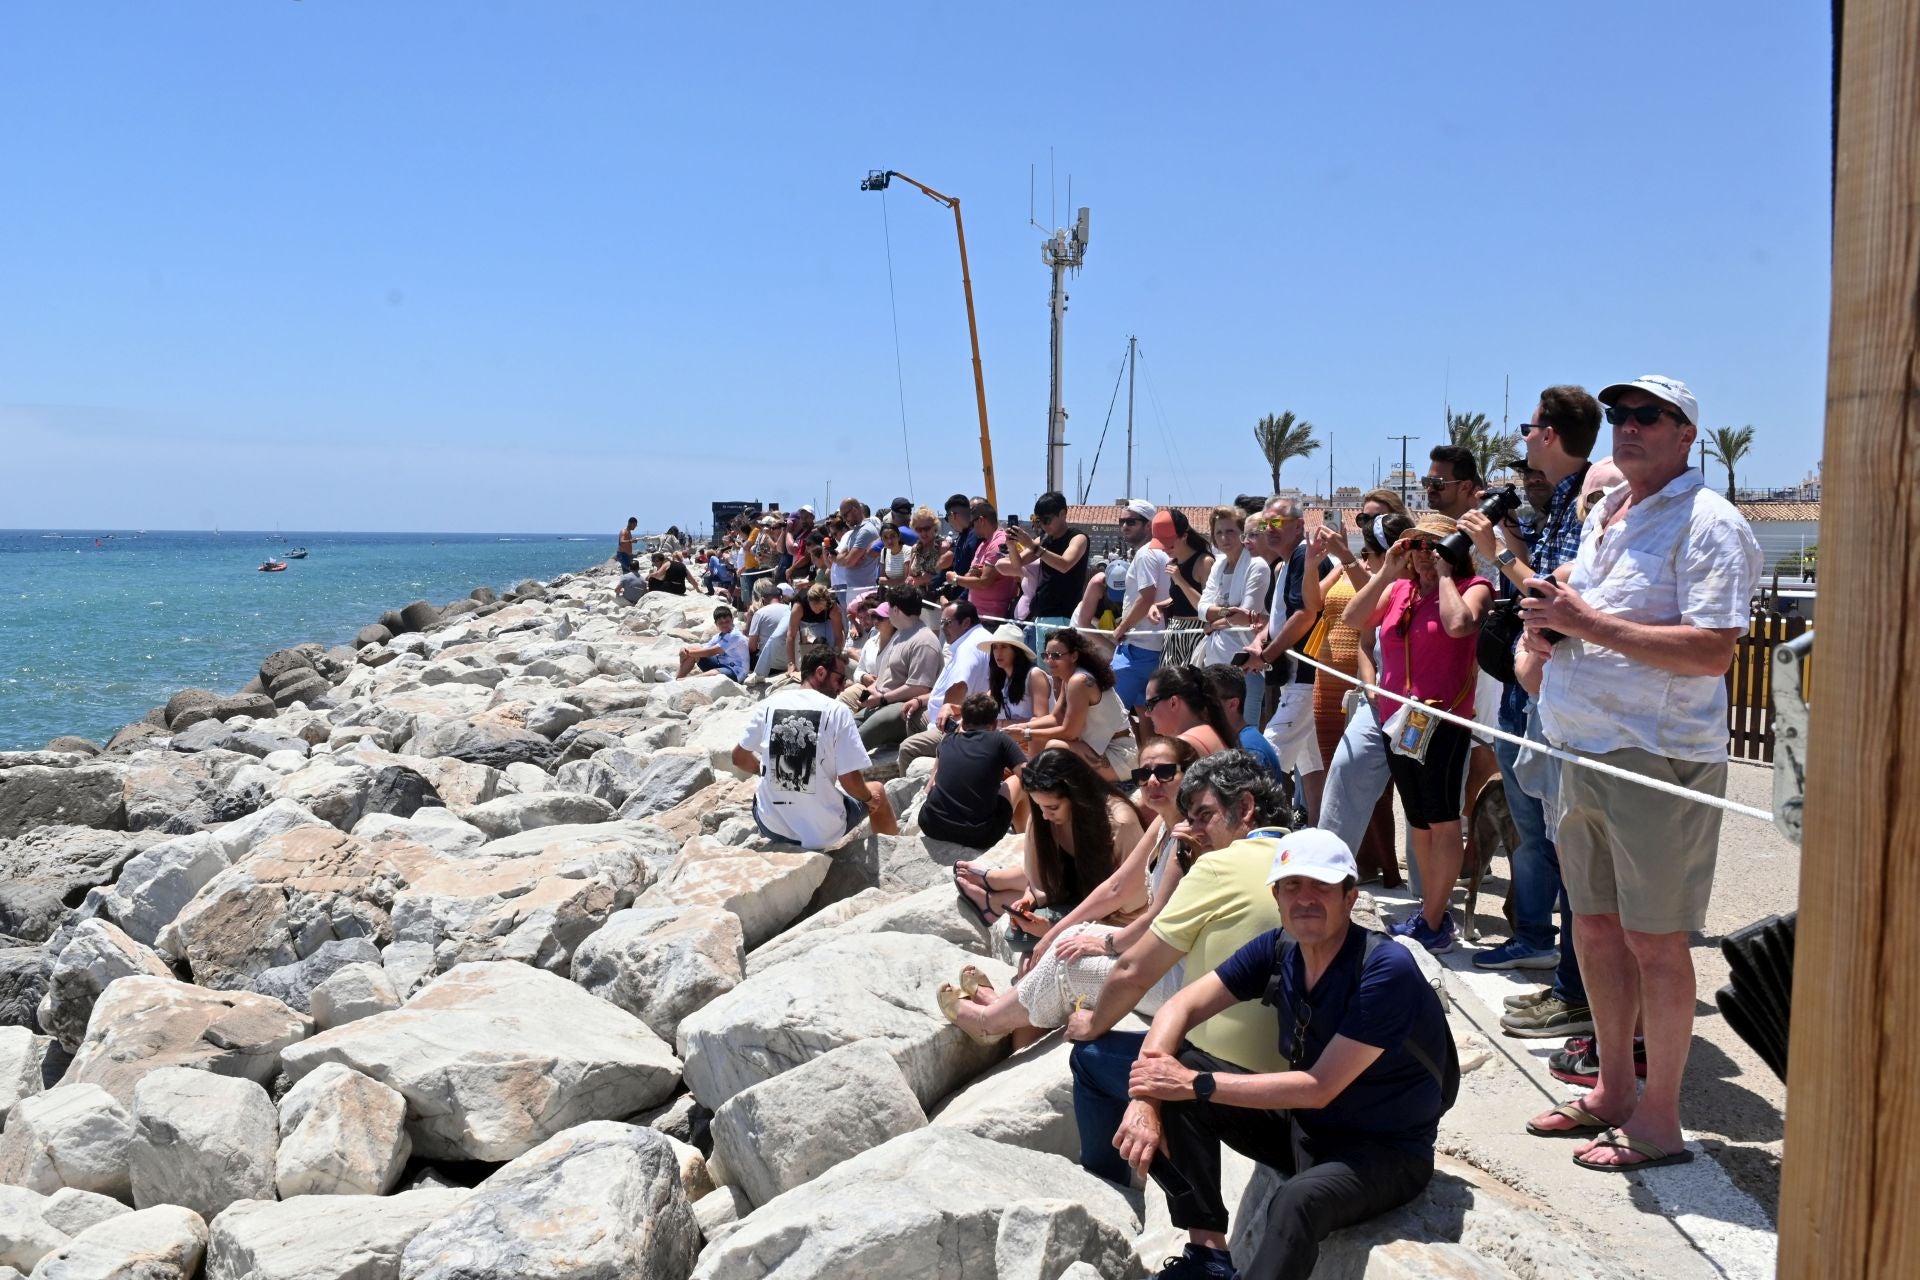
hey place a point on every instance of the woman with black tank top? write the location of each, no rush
(1192, 561)
(1061, 552)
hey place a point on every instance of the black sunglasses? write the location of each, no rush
(1131, 520)
(1055, 655)
(1646, 414)
(1164, 772)
(1528, 428)
(1435, 482)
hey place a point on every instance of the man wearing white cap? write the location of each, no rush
(1137, 638)
(1351, 1123)
(1646, 618)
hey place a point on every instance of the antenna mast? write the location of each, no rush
(1064, 251)
(1403, 465)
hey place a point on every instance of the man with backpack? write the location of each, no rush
(1351, 1125)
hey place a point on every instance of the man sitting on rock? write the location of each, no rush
(1350, 1124)
(726, 653)
(802, 743)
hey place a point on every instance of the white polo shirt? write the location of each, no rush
(1683, 555)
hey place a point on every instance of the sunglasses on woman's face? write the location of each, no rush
(1056, 655)
(1163, 772)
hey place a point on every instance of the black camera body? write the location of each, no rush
(1457, 548)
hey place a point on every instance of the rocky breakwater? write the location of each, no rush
(457, 955)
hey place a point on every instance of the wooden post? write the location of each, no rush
(1850, 1194)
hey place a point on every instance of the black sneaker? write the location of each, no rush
(1197, 1262)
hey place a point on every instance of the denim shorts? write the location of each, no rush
(1133, 666)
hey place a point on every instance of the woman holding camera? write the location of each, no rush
(1428, 623)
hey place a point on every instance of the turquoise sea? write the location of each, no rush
(97, 626)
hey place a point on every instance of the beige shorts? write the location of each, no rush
(1637, 853)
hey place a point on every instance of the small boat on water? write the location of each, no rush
(274, 566)
(298, 553)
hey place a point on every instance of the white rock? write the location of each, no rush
(241, 836)
(783, 1132)
(662, 963)
(357, 991)
(99, 955)
(436, 828)
(285, 762)
(322, 1237)
(1026, 1101)
(510, 815)
(25, 1235)
(719, 1210)
(341, 1134)
(165, 1242)
(73, 1135)
(333, 792)
(696, 1179)
(158, 882)
(937, 912)
(601, 1201)
(1044, 1239)
(931, 1205)
(552, 718)
(666, 781)
(23, 1057)
(143, 1024)
(879, 987)
(716, 735)
(72, 1210)
(767, 890)
(495, 1058)
(201, 1140)
(527, 779)
(408, 966)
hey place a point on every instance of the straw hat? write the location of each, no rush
(1009, 634)
(1430, 527)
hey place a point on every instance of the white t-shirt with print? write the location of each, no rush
(805, 741)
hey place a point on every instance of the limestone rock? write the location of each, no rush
(142, 1024)
(904, 863)
(1026, 1101)
(24, 975)
(239, 838)
(23, 1057)
(719, 1210)
(527, 780)
(175, 794)
(485, 742)
(716, 735)
(601, 1201)
(165, 1242)
(99, 955)
(1045, 1239)
(323, 1237)
(350, 993)
(665, 782)
(73, 1135)
(437, 829)
(937, 912)
(201, 1140)
(341, 1133)
(783, 1132)
(551, 719)
(158, 882)
(333, 792)
(52, 864)
(768, 891)
(662, 963)
(511, 815)
(878, 987)
(72, 1210)
(931, 1204)
(495, 1058)
(293, 984)
(39, 796)
(25, 1234)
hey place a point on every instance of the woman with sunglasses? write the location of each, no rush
(930, 557)
(1180, 704)
(1087, 716)
(817, 619)
(1428, 624)
(1072, 961)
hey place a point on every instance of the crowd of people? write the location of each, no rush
(1199, 791)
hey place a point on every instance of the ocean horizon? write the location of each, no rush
(99, 625)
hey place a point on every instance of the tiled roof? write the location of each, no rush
(1105, 517)
(1780, 510)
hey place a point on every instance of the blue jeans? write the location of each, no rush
(1356, 777)
(1536, 884)
(1100, 1072)
(1133, 666)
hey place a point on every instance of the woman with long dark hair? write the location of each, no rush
(1191, 562)
(1087, 717)
(1020, 686)
(1180, 704)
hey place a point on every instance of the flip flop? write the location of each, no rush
(987, 915)
(1651, 1157)
(948, 998)
(1585, 1123)
(972, 978)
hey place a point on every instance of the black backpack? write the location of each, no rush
(1447, 1075)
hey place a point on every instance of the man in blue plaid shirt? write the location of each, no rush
(1558, 439)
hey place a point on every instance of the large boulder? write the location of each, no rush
(99, 955)
(903, 863)
(782, 1132)
(662, 963)
(51, 868)
(346, 1237)
(239, 838)
(282, 661)
(165, 1242)
(25, 1234)
(23, 1067)
(372, 633)
(174, 715)
(768, 890)
(1026, 1101)
(398, 790)
(257, 705)
(879, 987)
(157, 883)
(141, 1024)
(484, 741)
(495, 1058)
(73, 1135)
(351, 993)
(341, 1133)
(43, 796)
(666, 781)
(25, 973)
(437, 829)
(938, 912)
(511, 815)
(931, 1204)
(293, 984)
(201, 1140)
(332, 791)
(600, 1201)
(304, 687)
(72, 1210)
(175, 794)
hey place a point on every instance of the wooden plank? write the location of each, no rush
(1852, 1170)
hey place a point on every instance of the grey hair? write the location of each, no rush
(1283, 506)
(1230, 775)
(764, 589)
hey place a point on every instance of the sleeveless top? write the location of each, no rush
(1058, 594)
(1024, 709)
(1106, 720)
(1179, 606)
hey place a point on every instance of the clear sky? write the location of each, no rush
(537, 266)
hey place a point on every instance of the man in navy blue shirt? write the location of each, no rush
(1351, 1125)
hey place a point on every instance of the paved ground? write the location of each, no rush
(1713, 1217)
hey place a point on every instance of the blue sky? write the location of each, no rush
(539, 266)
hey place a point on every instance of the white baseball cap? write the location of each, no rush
(1141, 507)
(1314, 853)
(1671, 390)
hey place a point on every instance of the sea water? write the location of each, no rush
(94, 630)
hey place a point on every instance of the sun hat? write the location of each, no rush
(1313, 852)
(1671, 390)
(1009, 634)
(1431, 524)
(1140, 507)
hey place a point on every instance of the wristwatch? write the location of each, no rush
(1504, 559)
(1203, 1086)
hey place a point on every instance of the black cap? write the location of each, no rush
(902, 504)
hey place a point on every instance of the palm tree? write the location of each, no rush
(1727, 445)
(1490, 448)
(1281, 437)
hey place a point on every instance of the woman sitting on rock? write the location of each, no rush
(1087, 717)
(1073, 959)
(817, 620)
(1019, 684)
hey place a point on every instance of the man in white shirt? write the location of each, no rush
(856, 557)
(726, 653)
(1647, 616)
(1137, 638)
(767, 628)
(802, 743)
(968, 663)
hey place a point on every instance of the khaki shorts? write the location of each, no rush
(1637, 853)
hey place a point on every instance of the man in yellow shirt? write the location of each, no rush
(1222, 904)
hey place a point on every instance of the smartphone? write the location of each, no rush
(1241, 658)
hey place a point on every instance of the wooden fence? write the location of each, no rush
(1750, 685)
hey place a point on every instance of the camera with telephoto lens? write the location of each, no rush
(1457, 548)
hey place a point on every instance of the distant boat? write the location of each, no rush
(298, 553)
(274, 566)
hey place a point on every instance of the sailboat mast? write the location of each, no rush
(1130, 345)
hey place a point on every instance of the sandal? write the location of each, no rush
(1585, 1123)
(972, 979)
(1651, 1157)
(948, 998)
(983, 909)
